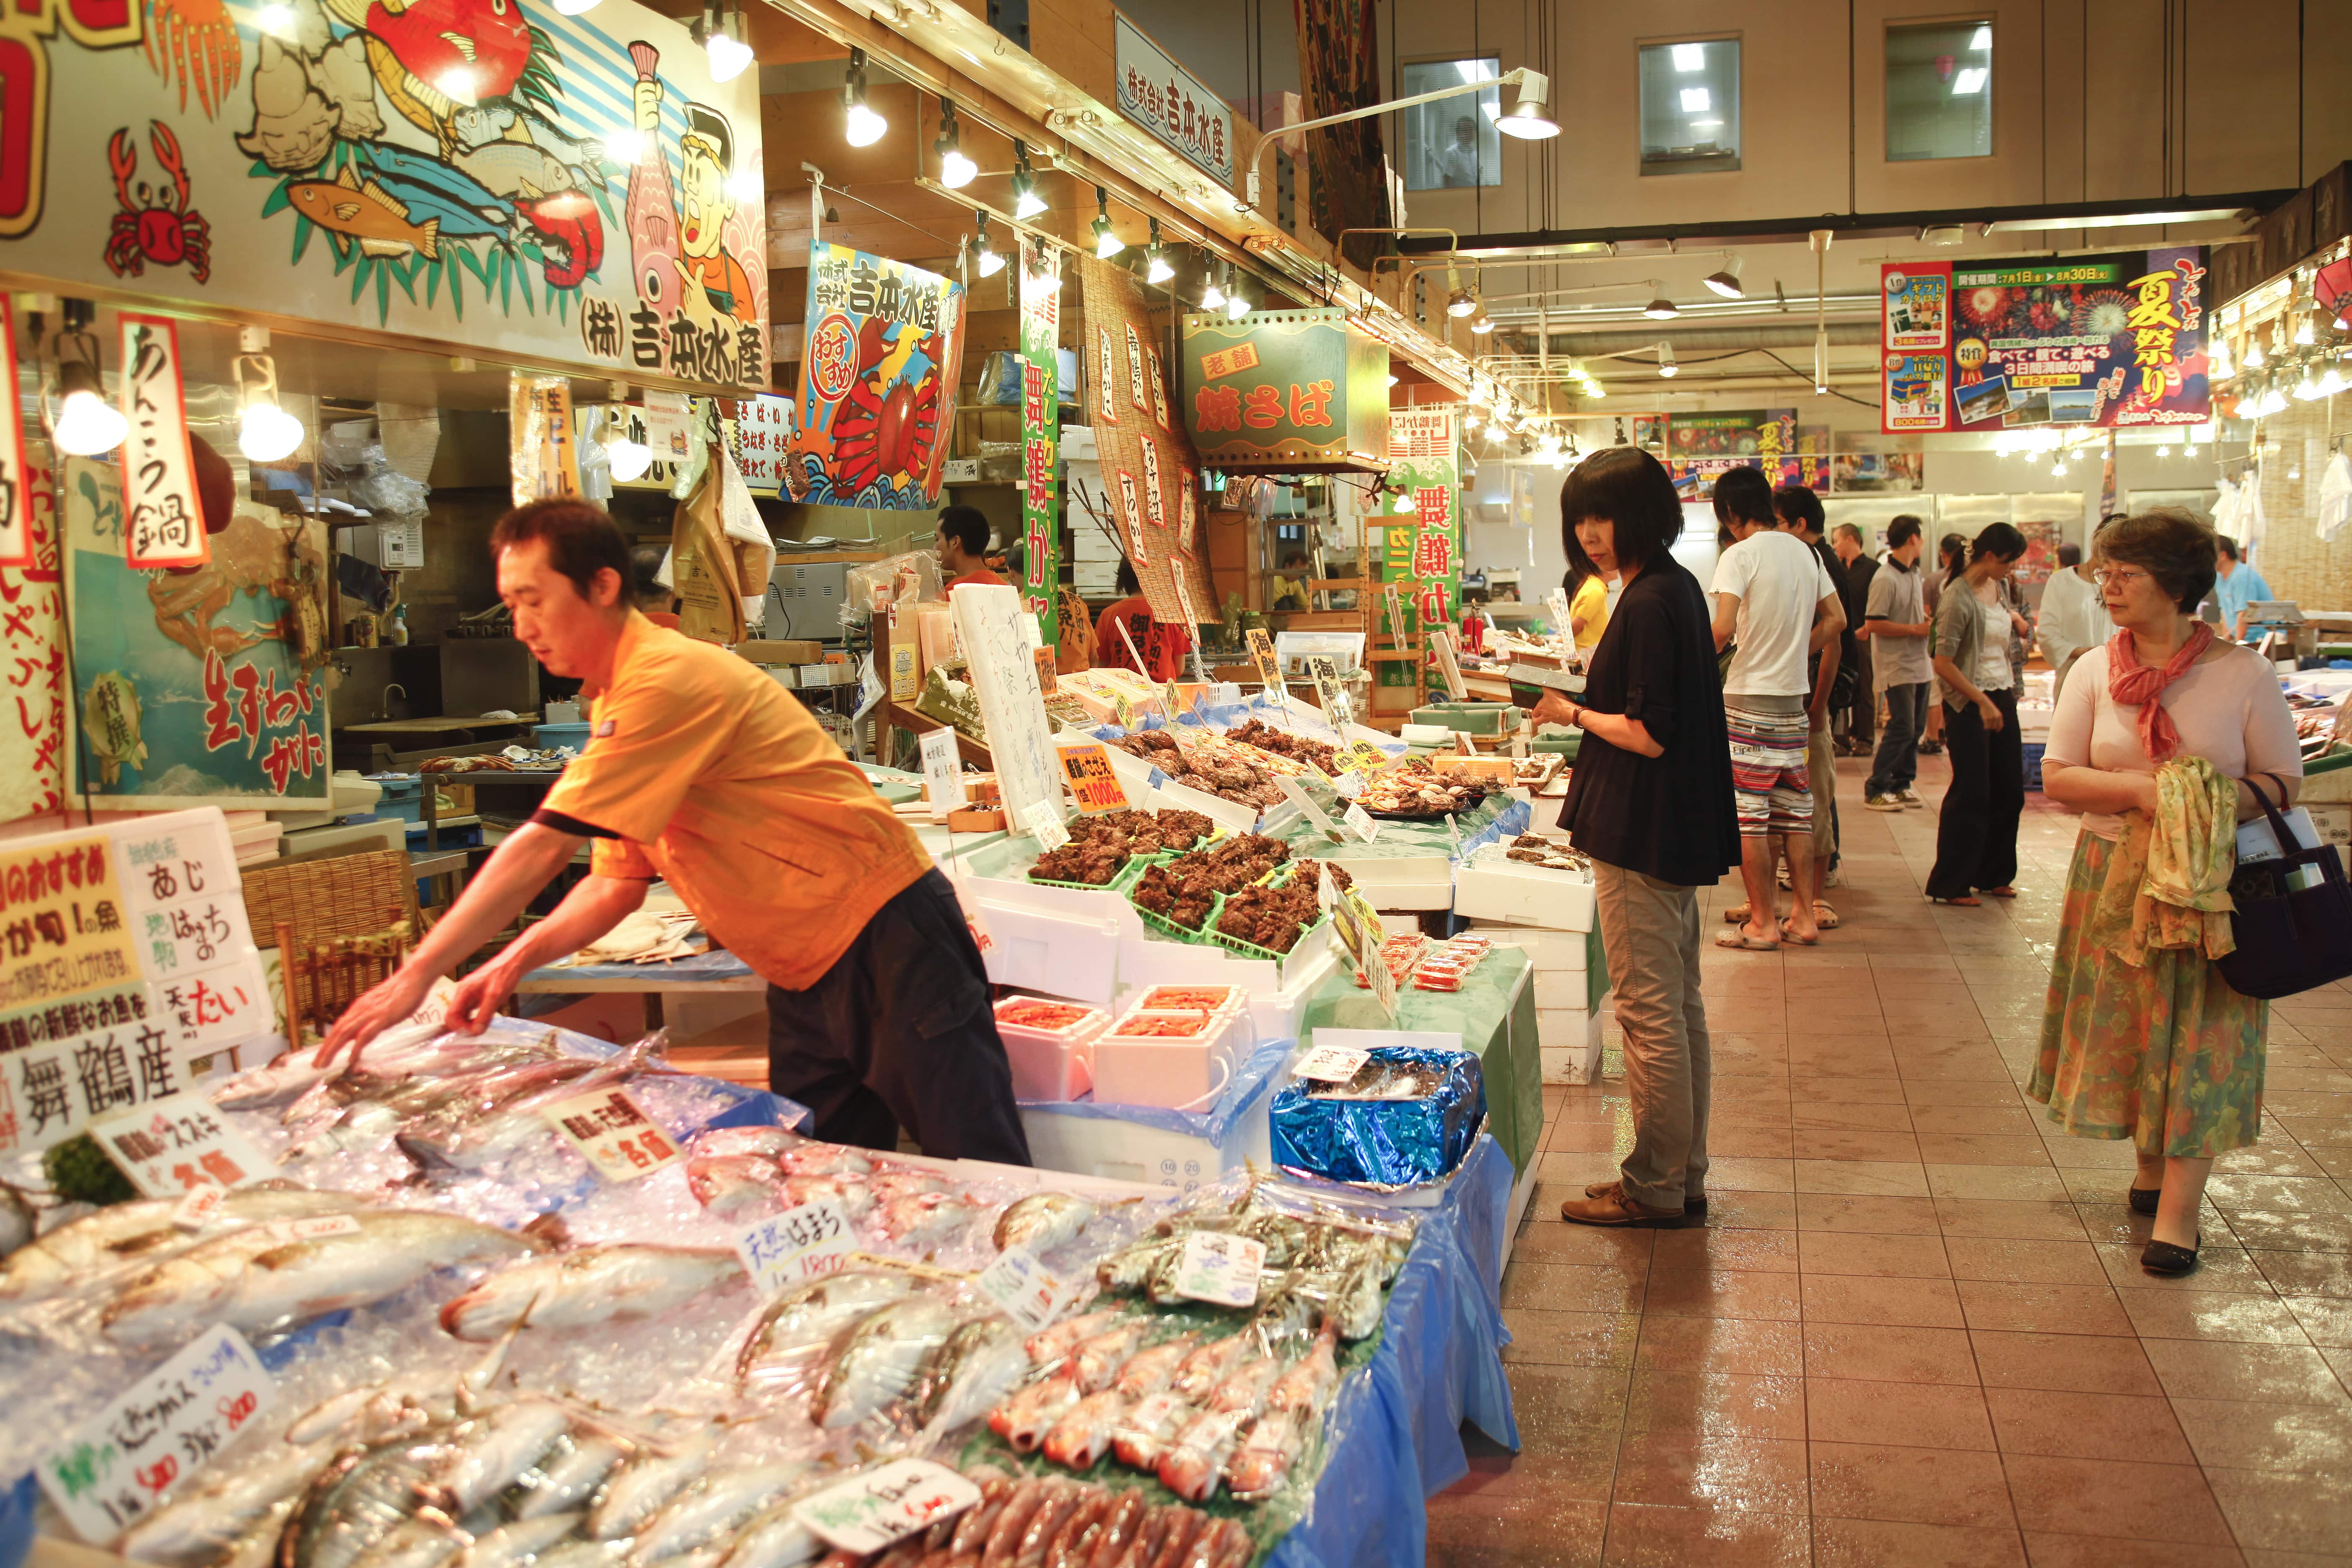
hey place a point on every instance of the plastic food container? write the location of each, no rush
(1051, 1044)
(1191, 999)
(1177, 1060)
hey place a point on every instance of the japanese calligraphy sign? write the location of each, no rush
(1106, 377)
(165, 526)
(796, 1245)
(1172, 104)
(2113, 341)
(33, 667)
(63, 925)
(1423, 552)
(1703, 447)
(180, 1144)
(15, 472)
(202, 687)
(875, 1507)
(1285, 391)
(613, 1134)
(542, 451)
(759, 436)
(1041, 433)
(118, 1465)
(1092, 783)
(881, 355)
(1336, 710)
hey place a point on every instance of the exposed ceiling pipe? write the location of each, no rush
(1697, 343)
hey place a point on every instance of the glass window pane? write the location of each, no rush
(1939, 90)
(1690, 107)
(1454, 141)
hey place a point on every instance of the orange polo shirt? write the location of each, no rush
(706, 774)
(980, 575)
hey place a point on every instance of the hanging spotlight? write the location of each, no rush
(956, 171)
(2058, 469)
(2307, 328)
(1404, 502)
(2254, 357)
(1160, 270)
(729, 54)
(1666, 365)
(265, 431)
(2216, 365)
(1107, 243)
(1212, 298)
(1026, 202)
(1482, 324)
(983, 254)
(1461, 301)
(85, 423)
(628, 460)
(1528, 117)
(1725, 281)
(1661, 309)
(2163, 451)
(1237, 305)
(2307, 388)
(860, 125)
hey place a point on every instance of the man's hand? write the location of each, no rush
(1990, 711)
(478, 997)
(1553, 710)
(377, 1009)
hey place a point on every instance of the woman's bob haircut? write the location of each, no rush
(1632, 490)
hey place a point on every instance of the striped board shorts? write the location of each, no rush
(1772, 785)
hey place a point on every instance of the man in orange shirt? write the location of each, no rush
(1162, 646)
(963, 548)
(703, 772)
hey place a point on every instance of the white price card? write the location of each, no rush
(1361, 821)
(1349, 785)
(1219, 1268)
(1455, 833)
(118, 1465)
(1332, 1064)
(1293, 792)
(1327, 891)
(179, 1144)
(1028, 1292)
(796, 1245)
(943, 786)
(1043, 822)
(875, 1508)
(613, 1132)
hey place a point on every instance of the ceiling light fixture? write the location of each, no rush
(862, 126)
(1026, 203)
(1482, 324)
(628, 460)
(1666, 365)
(1108, 243)
(1461, 302)
(265, 431)
(1725, 281)
(85, 423)
(1160, 269)
(1212, 298)
(729, 54)
(1527, 118)
(1236, 304)
(956, 171)
(1660, 307)
(983, 254)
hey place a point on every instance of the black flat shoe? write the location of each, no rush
(2163, 1257)
(2143, 1199)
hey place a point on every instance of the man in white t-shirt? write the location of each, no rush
(2072, 620)
(1776, 606)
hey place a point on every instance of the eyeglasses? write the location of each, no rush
(2121, 576)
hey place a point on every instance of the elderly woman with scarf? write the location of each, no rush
(2160, 740)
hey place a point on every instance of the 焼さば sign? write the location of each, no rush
(879, 364)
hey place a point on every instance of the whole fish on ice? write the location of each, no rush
(877, 1360)
(589, 1285)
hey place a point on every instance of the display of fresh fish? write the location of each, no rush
(1308, 1383)
(407, 1401)
(1053, 1344)
(877, 1360)
(1013, 1522)
(644, 1485)
(513, 1546)
(1222, 1543)
(1148, 1371)
(853, 1193)
(968, 1532)
(925, 1219)
(766, 1141)
(1149, 1426)
(1359, 1302)
(142, 1233)
(1185, 1527)
(565, 1479)
(1244, 1388)
(500, 1118)
(355, 1504)
(584, 1554)
(1210, 1366)
(589, 1285)
(203, 1523)
(810, 1158)
(1023, 1418)
(714, 1507)
(798, 1326)
(1130, 1268)
(1096, 1361)
(1084, 1433)
(483, 1455)
(735, 1186)
(18, 1221)
(1260, 1465)
(1043, 1221)
(775, 1538)
(980, 1361)
(901, 1182)
(1194, 1463)
(1059, 1545)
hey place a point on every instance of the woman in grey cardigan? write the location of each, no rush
(1976, 836)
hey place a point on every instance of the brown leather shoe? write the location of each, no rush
(1612, 1207)
(1693, 1208)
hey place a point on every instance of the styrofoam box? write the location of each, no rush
(1277, 997)
(1569, 1042)
(1557, 988)
(1064, 956)
(1051, 1064)
(1544, 948)
(1521, 894)
(1175, 1074)
(1135, 1151)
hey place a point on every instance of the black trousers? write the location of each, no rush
(1976, 838)
(900, 1032)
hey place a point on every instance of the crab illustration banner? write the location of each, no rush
(194, 686)
(574, 191)
(879, 367)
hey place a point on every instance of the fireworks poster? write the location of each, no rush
(878, 371)
(2104, 342)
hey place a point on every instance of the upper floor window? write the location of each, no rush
(1939, 90)
(1690, 107)
(1451, 142)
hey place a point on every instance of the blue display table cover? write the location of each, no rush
(1394, 1143)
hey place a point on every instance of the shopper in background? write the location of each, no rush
(2238, 585)
(1859, 719)
(2073, 621)
(962, 542)
(1587, 606)
(1951, 556)
(1290, 585)
(1897, 626)
(655, 600)
(1976, 834)
(1161, 646)
(1651, 802)
(1774, 604)
(2164, 1052)
(1800, 510)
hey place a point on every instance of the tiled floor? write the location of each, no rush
(1915, 1331)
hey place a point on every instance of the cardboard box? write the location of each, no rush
(759, 651)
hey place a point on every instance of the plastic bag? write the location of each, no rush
(999, 381)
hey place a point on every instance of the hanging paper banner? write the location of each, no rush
(883, 349)
(1136, 438)
(1158, 389)
(165, 526)
(1105, 381)
(542, 455)
(1041, 433)
(1423, 555)
(1131, 517)
(33, 667)
(16, 476)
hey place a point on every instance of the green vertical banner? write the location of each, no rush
(1422, 555)
(1041, 432)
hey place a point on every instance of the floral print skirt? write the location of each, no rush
(2167, 1055)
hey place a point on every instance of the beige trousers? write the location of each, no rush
(1651, 931)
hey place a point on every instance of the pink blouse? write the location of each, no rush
(2229, 710)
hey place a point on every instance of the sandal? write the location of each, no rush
(1737, 915)
(1825, 917)
(1787, 935)
(1740, 942)
(2000, 892)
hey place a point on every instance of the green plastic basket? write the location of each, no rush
(1168, 928)
(1125, 878)
(1251, 950)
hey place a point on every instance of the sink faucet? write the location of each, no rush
(383, 703)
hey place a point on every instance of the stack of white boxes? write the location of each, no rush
(1571, 981)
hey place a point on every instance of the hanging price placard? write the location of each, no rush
(1361, 821)
(1097, 789)
(1219, 1268)
(1028, 1292)
(1043, 822)
(943, 786)
(1336, 709)
(1269, 668)
(874, 1508)
(162, 523)
(1359, 757)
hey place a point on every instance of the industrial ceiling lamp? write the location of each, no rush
(1660, 307)
(1666, 365)
(1108, 243)
(983, 254)
(1459, 302)
(956, 171)
(1236, 305)
(1528, 117)
(1159, 269)
(1026, 203)
(862, 126)
(1212, 298)
(85, 423)
(2256, 358)
(265, 431)
(1482, 324)
(628, 460)
(729, 55)
(1725, 281)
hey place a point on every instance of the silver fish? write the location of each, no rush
(768, 1141)
(486, 1454)
(643, 1486)
(567, 1475)
(419, 1543)
(980, 1363)
(791, 1335)
(405, 1403)
(877, 1360)
(1127, 1269)
(211, 1520)
(925, 1219)
(1043, 1221)
(714, 1507)
(776, 1539)
(589, 1285)
(512, 1545)
(584, 1554)
(142, 1232)
(360, 1500)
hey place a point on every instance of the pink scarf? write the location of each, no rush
(2130, 681)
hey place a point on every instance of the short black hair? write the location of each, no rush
(1632, 490)
(2226, 545)
(582, 540)
(1850, 531)
(1902, 532)
(2070, 555)
(2000, 540)
(1743, 493)
(1293, 558)
(967, 526)
(2175, 547)
(1127, 581)
(1797, 504)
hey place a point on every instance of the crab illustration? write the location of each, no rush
(156, 223)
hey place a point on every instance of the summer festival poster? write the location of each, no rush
(879, 366)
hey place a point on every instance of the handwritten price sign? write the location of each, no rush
(1028, 1292)
(179, 1144)
(1219, 1268)
(613, 1132)
(797, 1244)
(1269, 668)
(1359, 757)
(1097, 789)
(868, 1513)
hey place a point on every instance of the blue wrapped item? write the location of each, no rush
(1351, 1132)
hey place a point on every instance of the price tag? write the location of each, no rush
(1043, 822)
(1097, 789)
(1269, 668)
(1219, 1268)
(1032, 633)
(1359, 757)
(1333, 1064)
(795, 1245)
(286, 1232)
(1122, 710)
(199, 1207)
(1361, 821)
(1048, 682)
(868, 1512)
(180, 1144)
(1336, 710)
(1028, 1292)
(943, 786)
(1294, 792)
(115, 1467)
(613, 1132)
(1348, 786)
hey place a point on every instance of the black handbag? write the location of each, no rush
(2290, 938)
